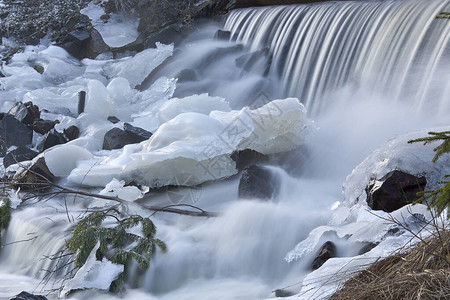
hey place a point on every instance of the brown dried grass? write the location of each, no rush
(421, 273)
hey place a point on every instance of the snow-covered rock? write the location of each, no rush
(61, 160)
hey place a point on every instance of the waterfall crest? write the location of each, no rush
(397, 48)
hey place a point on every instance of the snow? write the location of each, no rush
(93, 274)
(397, 154)
(118, 189)
(193, 148)
(118, 31)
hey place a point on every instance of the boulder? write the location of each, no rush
(72, 132)
(258, 182)
(116, 138)
(13, 133)
(34, 178)
(394, 190)
(25, 112)
(327, 251)
(52, 138)
(138, 133)
(18, 155)
(43, 126)
(222, 35)
(246, 157)
(27, 296)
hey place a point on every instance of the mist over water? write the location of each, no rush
(365, 71)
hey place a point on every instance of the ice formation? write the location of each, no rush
(193, 147)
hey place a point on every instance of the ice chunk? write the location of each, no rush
(193, 148)
(135, 69)
(118, 189)
(98, 102)
(61, 160)
(93, 274)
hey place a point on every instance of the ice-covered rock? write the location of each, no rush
(397, 154)
(117, 188)
(94, 274)
(193, 148)
(98, 102)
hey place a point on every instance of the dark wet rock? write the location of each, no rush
(18, 155)
(293, 162)
(113, 119)
(117, 138)
(186, 75)
(137, 133)
(13, 133)
(394, 190)
(258, 182)
(43, 126)
(72, 132)
(36, 178)
(366, 248)
(222, 35)
(327, 251)
(25, 112)
(96, 45)
(84, 42)
(281, 293)
(244, 158)
(40, 69)
(51, 138)
(28, 296)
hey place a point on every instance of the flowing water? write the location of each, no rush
(365, 70)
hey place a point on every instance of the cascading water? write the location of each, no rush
(365, 70)
(397, 48)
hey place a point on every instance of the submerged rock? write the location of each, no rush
(18, 155)
(327, 251)
(258, 182)
(281, 293)
(394, 190)
(244, 158)
(27, 296)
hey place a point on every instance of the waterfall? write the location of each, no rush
(396, 48)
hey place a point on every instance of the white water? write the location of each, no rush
(240, 254)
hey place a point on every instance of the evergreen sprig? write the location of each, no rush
(117, 244)
(439, 198)
(5, 215)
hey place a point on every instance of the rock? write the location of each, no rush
(113, 119)
(327, 251)
(40, 69)
(84, 42)
(116, 138)
(13, 133)
(96, 45)
(186, 75)
(25, 112)
(366, 248)
(258, 182)
(28, 296)
(35, 178)
(244, 158)
(261, 59)
(138, 133)
(52, 138)
(43, 126)
(281, 293)
(18, 155)
(222, 35)
(72, 132)
(394, 190)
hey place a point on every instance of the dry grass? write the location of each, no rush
(421, 273)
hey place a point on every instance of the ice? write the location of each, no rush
(93, 274)
(397, 154)
(118, 31)
(135, 69)
(118, 189)
(61, 160)
(98, 102)
(193, 148)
